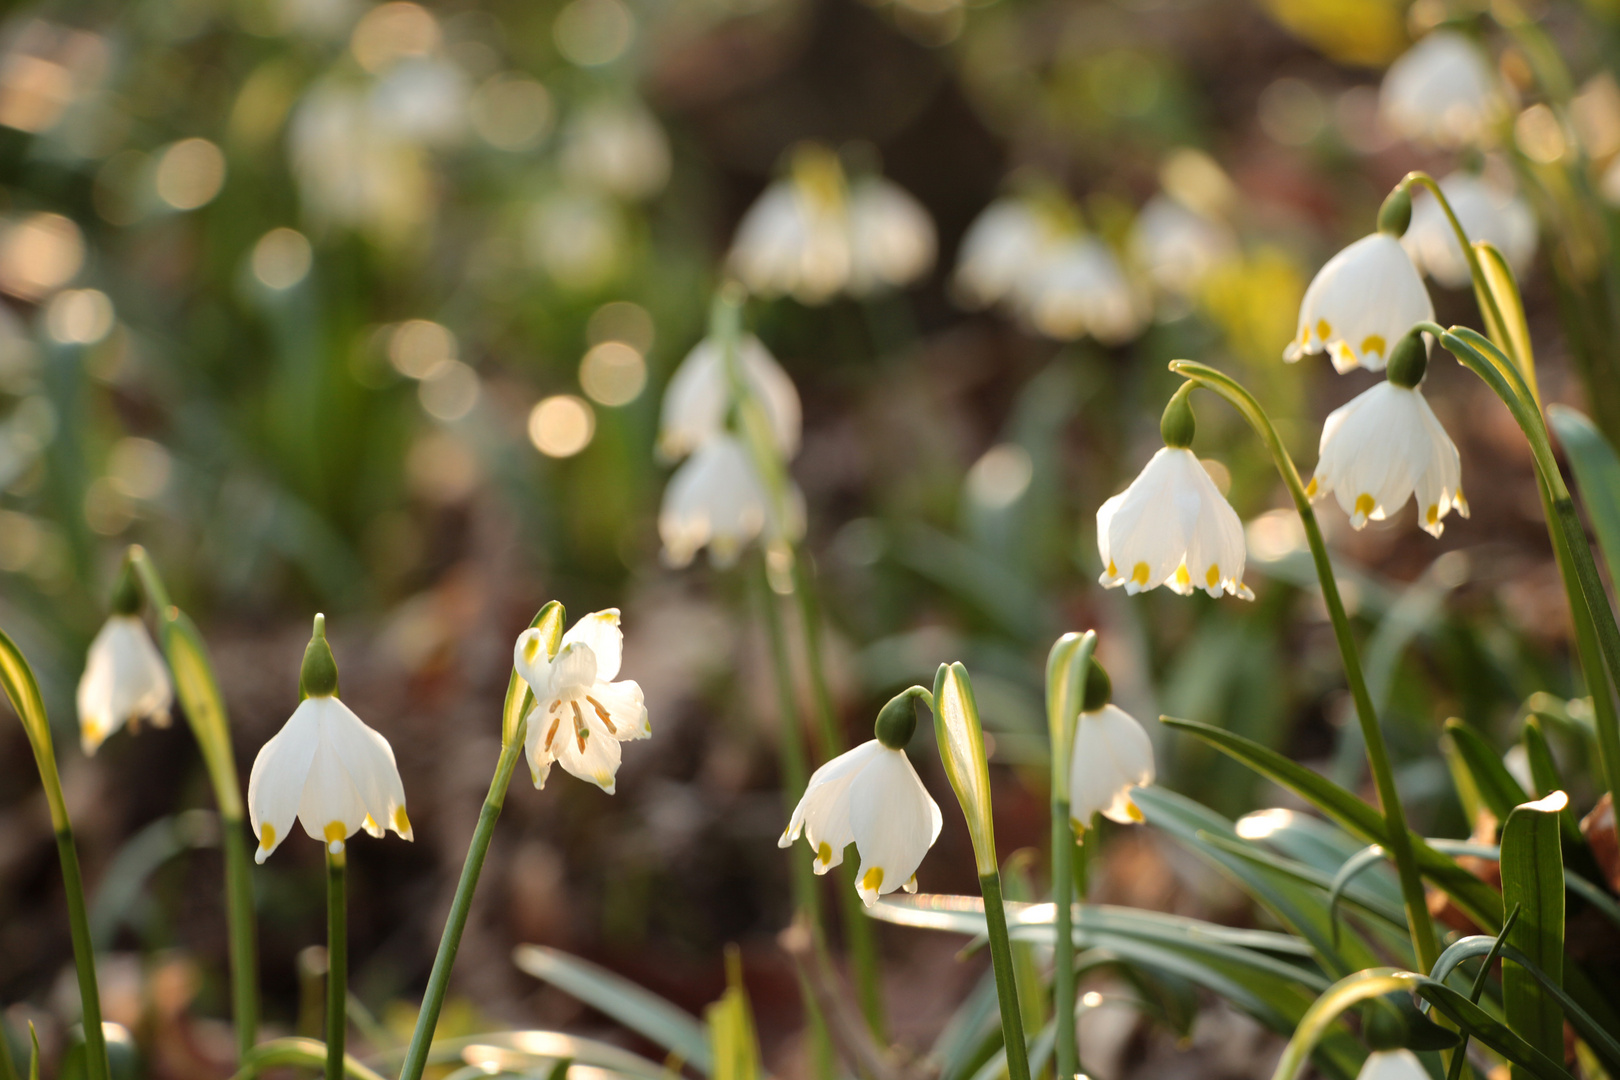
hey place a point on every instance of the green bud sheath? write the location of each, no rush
(1409, 361)
(1396, 213)
(897, 721)
(1099, 688)
(318, 677)
(126, 597)
(1177, 425)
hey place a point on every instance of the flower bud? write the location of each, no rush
(1396, 213)
(1409, 362)
(318, 676)
(1177, 425)
(1099, 688)
(897, 721)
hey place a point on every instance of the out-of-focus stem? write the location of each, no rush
(1065, 688)
(337, 959)
(1419, 923)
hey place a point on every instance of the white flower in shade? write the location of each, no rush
(1486, 212)
(1380, 449)
(699, 393)
(1176, 246)
(1081, 289)
(1392, 1065)
(1360, 304)
(1443, 91)
(998, 251)
(581, 714)
(870, 796)
(125, 681)
(892, 240)
(325, 767)
(1172, 527)
(1112, 756)
(618, 146)
(794, 241)
(717, 499)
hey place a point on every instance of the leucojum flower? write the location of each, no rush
(1365, 298)
(872, 797)
(1172, 526)
(581, 713)
(1112, 757)
(700, 392)
(125, 680)
(1442, 91)
(1386, 445)
(325, 767)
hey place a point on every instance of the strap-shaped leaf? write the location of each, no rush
(1496, 786)
(1544, 771)
(17, 678)
(307, 1053)
(1533, 878)
(1597, 475)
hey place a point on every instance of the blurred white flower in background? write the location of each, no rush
(1360, 304)
(892, 241)
(1007, 238)
(718, 500)
(699, 396)
(1177, 247)
(1443, 91)
(1079, 289)
(125, 680)
(1485, 210)
(577, 237)
(619, 146)
(354, 170)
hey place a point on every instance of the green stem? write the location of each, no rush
(95, 1040)
(1419, 923)
(240, 919)
(1001, 960)
(337, 959)
(1488, 307)
(1063, 982)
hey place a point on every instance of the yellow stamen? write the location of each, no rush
(1373, 343)
(1324, 329)
(1213, 575)
(1182, 577)
(1139, 573)
(267, 836)
(872, 880)
(335, 832)
(1365, 505)
(1310, 489)
(824, 853)
(402, 824)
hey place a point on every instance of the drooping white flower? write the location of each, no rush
(581, 714)
(1081, 289)
(619, 146)
(1112, 756)
(794, 242)
(1443, 91)
(1172, 527)
(1392, 1065)
(325, 767)
(1360, 304)
(125, 681)
(870, 796)
(1006, 240)
(1382, 447)
(717, 499)
(892, 241)
(1176, 246)
(1486, 212)
(700, 391)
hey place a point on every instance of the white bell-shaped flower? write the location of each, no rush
(125, 681)
(1172, 526)
(1112, 757)
(581, 714)
(1177, 246)
(1360, 304)
(1081, 289)
(795, 240)
(998, 251)
(1442, 91)
(870, 796)
(1392, 1065)
(1485, 211)
(1386, 445)
(325, 768)
(700, 391)
(892, 240)
(718, 500)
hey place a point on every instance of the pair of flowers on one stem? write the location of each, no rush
(872, 797)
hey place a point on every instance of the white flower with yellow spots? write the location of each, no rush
(581, 714)
(1079, 289)
(125, 681)
(1385, 446)
(716, 499)
(871, 797)
(700, 393)
(1360, 304)
(1112, 757)
(325, 768)
(1443, 91)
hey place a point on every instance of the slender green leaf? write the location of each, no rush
(33, 1052)
(304, 1053)
(523, 1049)
(1544, 770)
(1326, 1010)
(1496, 786)
(1490, 1031)
(1532, 864)
(1597, 477)
(734, 1047)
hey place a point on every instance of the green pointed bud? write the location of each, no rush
(318, 677)
(1396, 213)
(126, 597)
(897, 721)
(1099, 688)
(1409, 361)
(960, 737)
(1177, 424)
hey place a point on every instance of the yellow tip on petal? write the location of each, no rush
(1212, 577)
(1434, 513)
(872, 880)
(1365, 505)
(1134, 812)
(824, 853)
(531, 648)
(267, 837)
(402, 824)
(1310, 489)
(335, 832)
(1324, 329)
(1182, 577)
(1113, 571)
(1139, 573)
(1373, 343)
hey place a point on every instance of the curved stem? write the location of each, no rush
(1488, 307)
(337, 959)
(1419, 923)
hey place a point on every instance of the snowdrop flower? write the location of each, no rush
(1176, 246)
(1112, 756)
(795, 240)
(1386, 445)
(325, 767)
(699, 394)
(1365, 299)
(1081, 289)
(871, 796)
(581, 714)
(1486, 212)
(1172, 526)
(1442, 91)
(1004, 242)
(892, 240)
(717, 499)
(125, 680)
(1392, 1065)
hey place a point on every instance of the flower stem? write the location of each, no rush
(204, 705)
(1419, 923)
(1495, 324)
(1065, 687)
(337, 959)
(1001, 960)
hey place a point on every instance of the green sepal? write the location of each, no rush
(1396, 213)
(318, 675)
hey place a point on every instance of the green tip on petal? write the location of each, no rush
(126, 597)
(1177, 424)
(1099, 688)
(897, 721)
(1396, 213)
(318, 677)
(1409, 361)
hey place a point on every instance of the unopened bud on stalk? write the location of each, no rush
(1409, 362)
(318, 676)
(1177, 425)
(897, 721)
(1396, 213)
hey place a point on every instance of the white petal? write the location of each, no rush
(600, 630)
(823, 810)
(585, 748)
(574, 673)
(698, 395)
(998, 251)
(715, 499)
(1177, 247)
(276, 784)
(1442, 90)
(894, 821)
(1112, 754)
(1379, 448)
(1392, 1065)
(1360, 304)
(532, 661)
(1081, 289)
(124, 679)
(626, 709)
(330, 804)
(369, 761)
(541, 741)
(892, 238)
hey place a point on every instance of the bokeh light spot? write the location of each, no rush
(190, 173)
(449, 391)
(390, 32)
(418, 347)
(613, 373)
(39, 254)
(282, 258)
(561, 425)
(593, 32)
(621, 320)
(139, 468)
(79, 316)
(511, 112)
(1000, 476)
